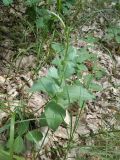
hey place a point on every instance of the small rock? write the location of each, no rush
(2, 80)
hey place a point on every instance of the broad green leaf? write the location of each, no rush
(114, 30)
(40, 23)
(34, 136)
(118, 39)
(88, 79)
(95, 87)
(22, 128)
(76, 93)
(56, 61)
(58, 48)
(53, 72)
(72, 53)
(81, 67)
(7, 2)
(63, 102)
(19, 145)
(83, 55)
(42, 12)
(40, 85)
(100, 73)
(46, 84)
(91, 39)
(32, 2)
(54, 114)
(42, 120)
(93, 57)
(69, 69)
(95, 67)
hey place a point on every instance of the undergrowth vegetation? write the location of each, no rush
(72, 75)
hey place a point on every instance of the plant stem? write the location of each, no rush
(12, 129)
(59, 6)
(65, 55)
(72, 131)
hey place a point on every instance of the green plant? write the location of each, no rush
(61, 87)
(113, 34)
(7, 2)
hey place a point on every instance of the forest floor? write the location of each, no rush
(99, 125)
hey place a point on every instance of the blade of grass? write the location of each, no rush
(59, 6)
(58, 17)
(6, 155)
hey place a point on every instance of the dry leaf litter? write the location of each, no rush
(99, 114)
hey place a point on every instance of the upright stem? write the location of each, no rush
(12, 129)
(59, 6)
(67, 30)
